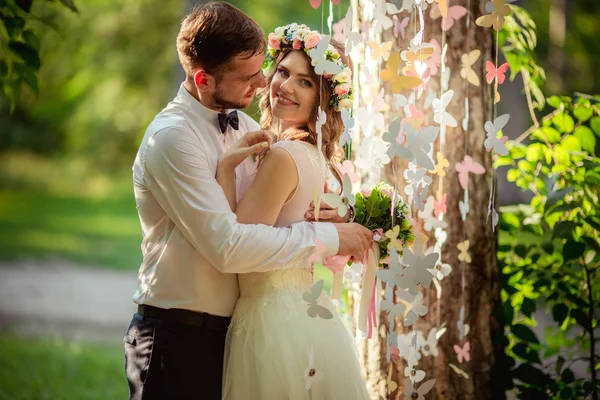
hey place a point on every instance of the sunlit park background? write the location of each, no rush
(66, 150)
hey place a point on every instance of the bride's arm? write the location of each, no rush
(275, 181)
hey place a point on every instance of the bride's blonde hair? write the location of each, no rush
(333, 128)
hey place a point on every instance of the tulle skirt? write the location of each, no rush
(269, 346)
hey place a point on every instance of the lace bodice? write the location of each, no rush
(312, 172)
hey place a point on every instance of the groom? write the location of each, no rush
(192, 245)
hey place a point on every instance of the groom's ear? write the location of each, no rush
(201, 80)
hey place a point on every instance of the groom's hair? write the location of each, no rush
(212, 34)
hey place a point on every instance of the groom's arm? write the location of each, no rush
(183, 183)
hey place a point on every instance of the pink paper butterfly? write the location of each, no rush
(454, 14)
(317, 3)
(464, 167)
(436, 58)
(493, 72)
(400, 26)
(338, 30)
(439, 207)
(463, 353)
(347, 167)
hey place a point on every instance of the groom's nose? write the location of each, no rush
(261, 82)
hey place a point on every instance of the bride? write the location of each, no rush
(286, 339)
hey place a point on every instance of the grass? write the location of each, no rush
(42, 369)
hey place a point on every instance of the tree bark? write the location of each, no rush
(482, 277)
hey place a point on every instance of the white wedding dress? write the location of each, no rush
(271, 336)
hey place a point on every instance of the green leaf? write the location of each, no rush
(25, 5)
(526, 353)
(564, 229)
(14, 26)
(28, 76)
(592, 243)
(595, 125)
(509, 313)
(523, 332)
(583, 113)
(556, 196)
(70, 4)
(31, 39)
(555, 102)
(559, 313)
(567, 376)
(571, 143)
(566, 393)
(580, 317)
(26, 53)
(586, 138)
(560, 361)
(528, 307)
(564, 122)
(513, 174)
(572, 250)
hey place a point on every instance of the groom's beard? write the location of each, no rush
(220, 101)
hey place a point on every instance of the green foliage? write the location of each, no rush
(550, 249)
(518, 40)
(373, 211)
(34, 369)
(19, 48)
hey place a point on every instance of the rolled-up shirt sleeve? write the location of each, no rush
(178, 174)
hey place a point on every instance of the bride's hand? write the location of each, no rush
(251, 143)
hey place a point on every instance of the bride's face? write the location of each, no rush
(293, 92)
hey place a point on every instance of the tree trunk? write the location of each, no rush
(482, 277)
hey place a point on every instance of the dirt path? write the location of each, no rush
(71, 301)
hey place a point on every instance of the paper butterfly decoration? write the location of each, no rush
(351, 38)
(321, 120)
(440, 206)
(312, 298)
(443, 5)
(431, 222)
(463, 205)
(416, 117)
(441, 116)
(496, 18)
(442, 164)
(465, 122)
(417, 175)
(463, 352)
(454, 14)
(400, 26)
(441, 271)
(420, 143)
(379, 103)
(317, 3)
(311, 374)
(321, 64)
(417, 307)
(459, 371)
(436, 58)
(393, 137)
(348, 124)
(466, 70)
(391, 384)
(463, 329)
(464, 255)
(353, 273)
(341, 202)
(429, 346)
(338, 30)
(347, 167)
(495, 73)
(421, 391)
(399, 82)
(466, 166)
(494, 214)
(492, 129)
(380, 50)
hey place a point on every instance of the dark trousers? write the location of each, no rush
(172, 360)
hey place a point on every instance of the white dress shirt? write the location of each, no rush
(192, 244)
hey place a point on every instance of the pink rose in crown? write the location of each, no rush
(311, 40)
(341, 90)
(273, 41)
(297, 45)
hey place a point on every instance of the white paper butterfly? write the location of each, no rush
(493, 142)
(391, 137)
(322, 65)
(352, 38)
(463, 205)
(420, 143)
(341, 202)
(441, 116)
(463, 329)
(348, 124)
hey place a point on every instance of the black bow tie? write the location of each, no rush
(231, 119)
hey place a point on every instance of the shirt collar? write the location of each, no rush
(198, 108)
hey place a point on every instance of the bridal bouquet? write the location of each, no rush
(391, 225)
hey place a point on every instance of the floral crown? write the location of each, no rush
(325, 59)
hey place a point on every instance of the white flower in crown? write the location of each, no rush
(279, 32)
(301, 33)
(344, 76)
(345, 103)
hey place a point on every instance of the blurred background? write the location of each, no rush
(69, 233)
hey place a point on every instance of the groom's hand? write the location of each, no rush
(355, 239)
(257, 142)
(326, 212)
